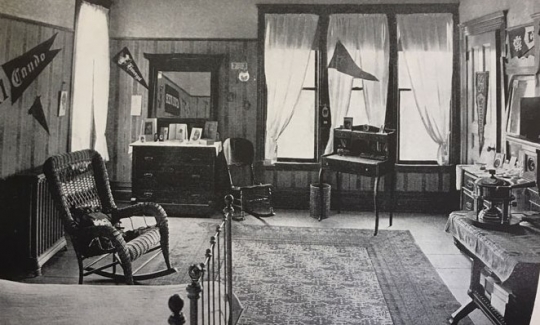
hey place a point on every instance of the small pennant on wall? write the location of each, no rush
(37, 112)
(125, 60)
(23, 70)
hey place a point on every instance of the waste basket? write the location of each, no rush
(315, 201)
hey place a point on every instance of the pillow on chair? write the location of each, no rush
(88, 216)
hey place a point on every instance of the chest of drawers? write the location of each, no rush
(182, 178)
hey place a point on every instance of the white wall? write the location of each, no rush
(519, 11)
(54, 12)
(203, 18)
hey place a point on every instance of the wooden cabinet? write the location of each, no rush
(180, 177)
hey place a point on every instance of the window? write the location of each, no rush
(370, 35)
(297, 142)
(415, 144)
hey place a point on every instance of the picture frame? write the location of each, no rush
(150, 128)
(348, 123)
(210, 130)
(512, 162)
(196, 134)
(62, 102)
(498, 161)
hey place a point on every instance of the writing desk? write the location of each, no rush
(360, 166)
(510, 258)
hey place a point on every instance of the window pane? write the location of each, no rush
(414, 141)
(298, 139)
(309, 81)
(357, 107)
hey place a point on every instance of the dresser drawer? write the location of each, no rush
(176, 196)
(157, 158)
(468, 181)
(467, 201)
(178, 173)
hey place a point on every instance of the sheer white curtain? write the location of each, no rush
(287, 46)
(91, 80)
(426, 40)
(365, 36)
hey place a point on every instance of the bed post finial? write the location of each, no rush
(176, 304)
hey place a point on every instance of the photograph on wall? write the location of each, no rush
(62, 102)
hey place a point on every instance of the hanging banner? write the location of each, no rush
(481, 85)
(521, 41)
(125, 60)
(37, 112)
(172, 100)
(23, 70)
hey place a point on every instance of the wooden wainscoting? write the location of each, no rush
(24, 144)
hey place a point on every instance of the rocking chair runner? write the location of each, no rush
(255, 199)
(80, 187)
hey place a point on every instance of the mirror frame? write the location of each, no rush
(183, 62)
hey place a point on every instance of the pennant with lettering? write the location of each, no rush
(23, 70)
(125, 60)
(344, 63)
(521, 41)
(37, 112)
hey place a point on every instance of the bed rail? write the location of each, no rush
(210, 292)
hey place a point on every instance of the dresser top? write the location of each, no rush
(175, 143)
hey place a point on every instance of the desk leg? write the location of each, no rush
(375, 192)
(321, 193)
(463, 311)
(392, 190)
(338, 179)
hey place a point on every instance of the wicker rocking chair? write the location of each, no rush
(80, 187)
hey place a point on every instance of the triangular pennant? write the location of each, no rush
(125, 60)
(37, 112)
(24, 69)
(344, 63)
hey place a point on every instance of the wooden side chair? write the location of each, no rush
(249, 197)
(80, 188)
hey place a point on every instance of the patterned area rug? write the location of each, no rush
(288, 275)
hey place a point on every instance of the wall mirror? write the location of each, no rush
(521, 87)
(183, 86)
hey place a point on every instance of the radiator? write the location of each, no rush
(35, 227)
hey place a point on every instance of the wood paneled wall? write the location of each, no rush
(24, 144)
(237, 111)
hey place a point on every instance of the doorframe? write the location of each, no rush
(495, 22)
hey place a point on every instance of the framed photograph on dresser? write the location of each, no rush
(150, 128)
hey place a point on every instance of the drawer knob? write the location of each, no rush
(148, 158)
(148, 175)
(195, 176)
(148, 194)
